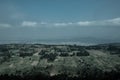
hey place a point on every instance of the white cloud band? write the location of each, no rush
(109, 22)
(29, 24)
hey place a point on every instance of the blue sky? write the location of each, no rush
(59, 19)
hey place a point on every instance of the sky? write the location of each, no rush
(59, 19)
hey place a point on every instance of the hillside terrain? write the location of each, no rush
(59, 62)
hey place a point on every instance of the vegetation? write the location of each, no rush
(82, 53)
(49, 57)
(59, 62)
(64, 54)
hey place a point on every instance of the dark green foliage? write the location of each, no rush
(3, 49)
(82, 53)
(113, 49)
(95, 47)
(42, 52)
(50, 56)
(4, 57)
(64, 54)
(24, 54)
(94, 74)
(114, 52)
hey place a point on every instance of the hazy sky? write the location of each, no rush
(59, 19)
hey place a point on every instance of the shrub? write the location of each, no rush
(82, 53)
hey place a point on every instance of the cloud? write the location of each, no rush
(85, 23)
(5, 25)
(109, 22)
(115, 21)
(62, 24)
(29, 24)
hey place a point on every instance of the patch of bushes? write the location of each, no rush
(49, 57)
(82, 53)
(64, 54)
(24, 54)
